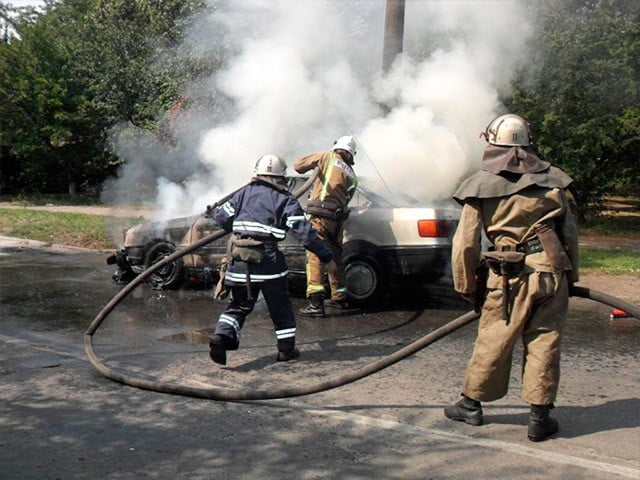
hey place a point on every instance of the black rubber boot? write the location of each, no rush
(217, 350)
(315, 307)
(338, 304)
(541, 425)
(218, 346)
(286, 355)
(466, 410)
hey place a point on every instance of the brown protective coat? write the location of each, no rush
(336, 185)
(538, 297)
(336, 179)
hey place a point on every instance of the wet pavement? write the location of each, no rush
(61, 419)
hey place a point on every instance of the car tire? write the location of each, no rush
(170, 276)
(364, 280)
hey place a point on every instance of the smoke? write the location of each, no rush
(297, 75)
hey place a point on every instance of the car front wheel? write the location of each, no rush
(364, 279)
(169, 276)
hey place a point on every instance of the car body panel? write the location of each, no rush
(382, 240)
(393, 226)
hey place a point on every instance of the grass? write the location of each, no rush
(76, 229)
(611, 261)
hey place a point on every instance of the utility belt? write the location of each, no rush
(327, 209)
(508, 265)
(243, 249)
(534, 245)
(507, 261)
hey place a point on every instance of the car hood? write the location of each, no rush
(172, 230)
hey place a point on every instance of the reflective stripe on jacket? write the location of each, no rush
(265, 213)
(336, 182)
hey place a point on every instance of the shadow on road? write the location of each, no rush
(576, 421)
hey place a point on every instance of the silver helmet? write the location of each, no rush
(270, 165)
(508, 130)
(346, 143)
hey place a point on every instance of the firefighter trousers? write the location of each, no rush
(276, 295)
(330, 232)
(538, 304)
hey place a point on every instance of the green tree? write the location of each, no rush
(73, 71)
(584, 99)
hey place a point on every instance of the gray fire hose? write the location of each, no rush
(252, 394)
(215, 393)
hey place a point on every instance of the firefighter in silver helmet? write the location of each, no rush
(327, 208)
(259, 216)
(521, 284)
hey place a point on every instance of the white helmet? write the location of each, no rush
(346, 143)
(508, 130)
(270, 165)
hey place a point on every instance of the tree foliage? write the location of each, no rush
(584, 99)
(71, 72)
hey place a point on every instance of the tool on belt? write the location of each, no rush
(506, 261)
(507, 264)
(239, 249)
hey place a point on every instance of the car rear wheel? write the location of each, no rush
(364, 279)
(169, 276)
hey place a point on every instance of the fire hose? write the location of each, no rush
(216, 393)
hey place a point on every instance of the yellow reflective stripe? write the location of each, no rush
(314, 289)
(327, 177)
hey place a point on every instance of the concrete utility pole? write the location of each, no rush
(393, 32)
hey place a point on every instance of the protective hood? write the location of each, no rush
(514, 159)
(279, 183)
(484, 184)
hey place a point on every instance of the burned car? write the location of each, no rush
(385, 242)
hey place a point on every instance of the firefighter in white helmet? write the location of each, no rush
(327, 209)
(520, 202)
(259, 215)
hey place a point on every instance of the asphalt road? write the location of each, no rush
(61, 419)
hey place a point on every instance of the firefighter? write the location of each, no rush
(327, 210)
(520, 203)
(259, 216)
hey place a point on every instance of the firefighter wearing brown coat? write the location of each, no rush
(520, 203)
(327, 209)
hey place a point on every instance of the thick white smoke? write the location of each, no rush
(300, 74)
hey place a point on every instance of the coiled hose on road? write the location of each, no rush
(215, 393)
(252, 394)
